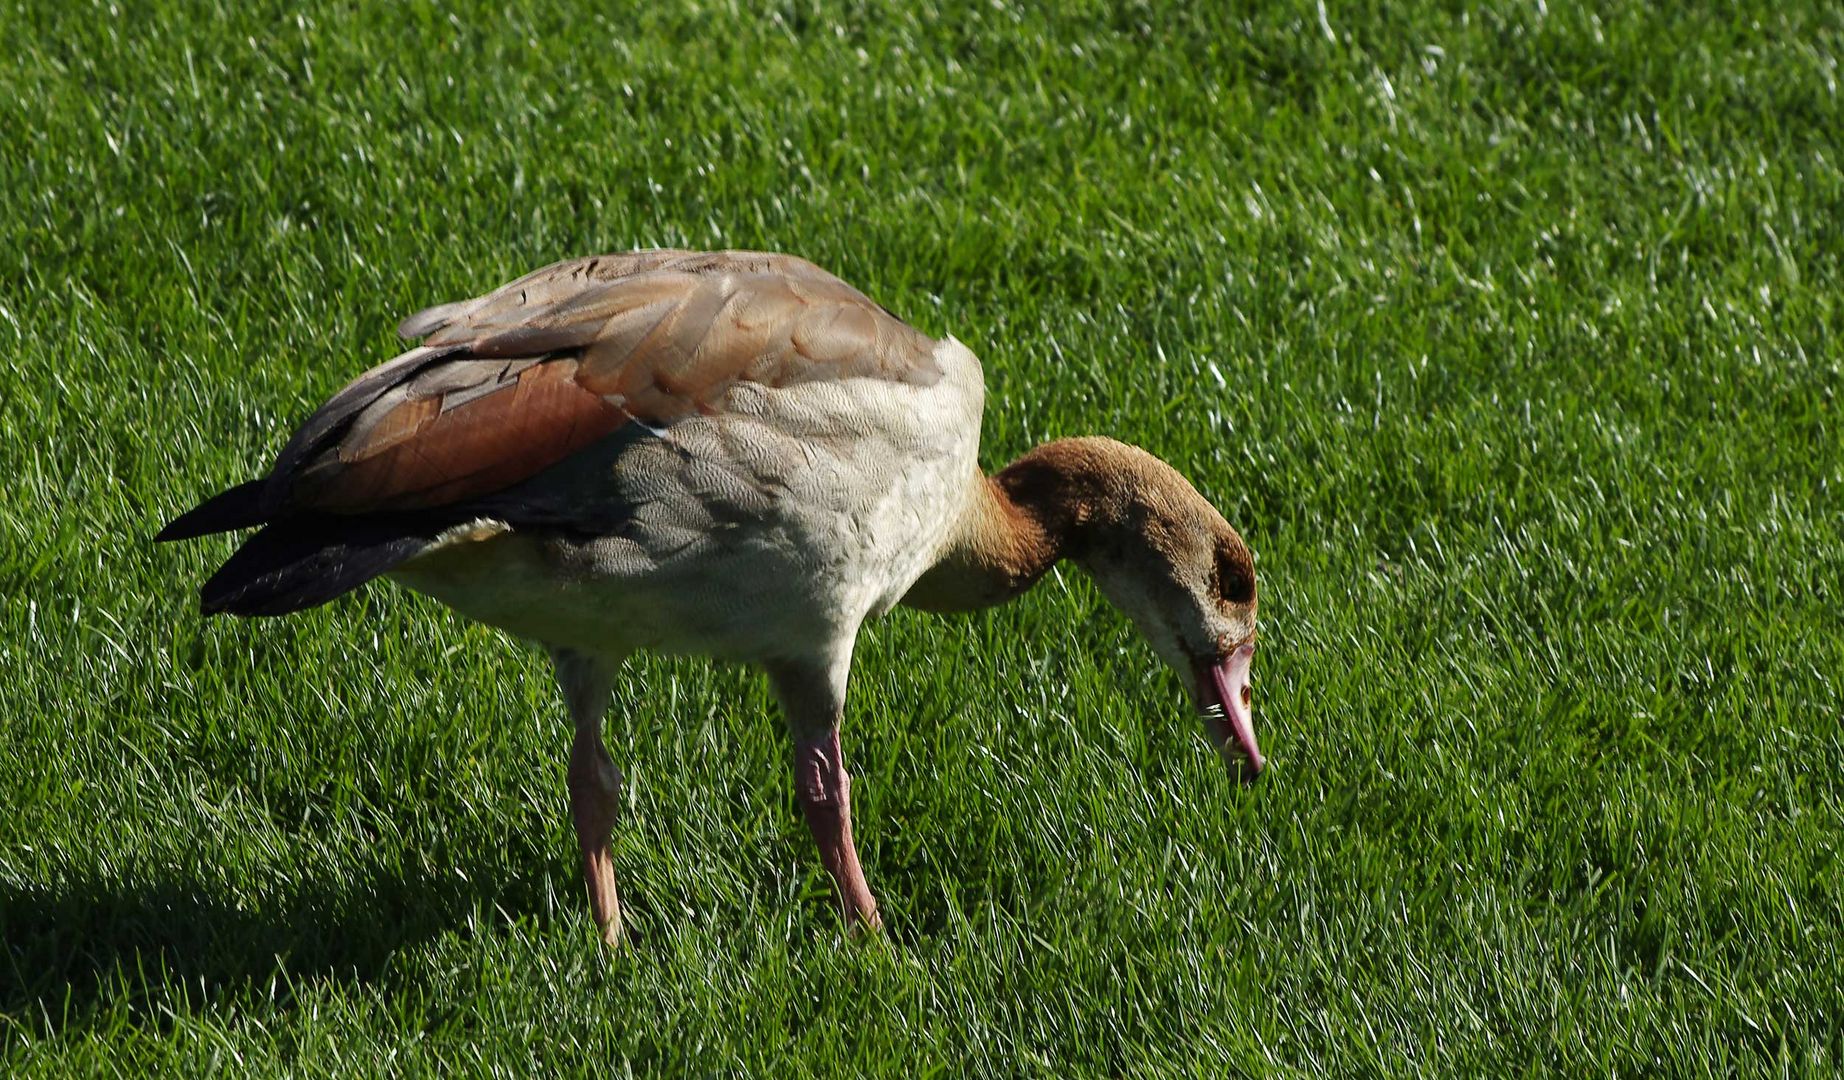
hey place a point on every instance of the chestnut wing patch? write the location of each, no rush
(516, 381)
(460, 430)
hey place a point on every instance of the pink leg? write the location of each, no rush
(825, 790)
(595, 801)
(595, 783)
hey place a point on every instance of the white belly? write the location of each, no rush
(770, 530)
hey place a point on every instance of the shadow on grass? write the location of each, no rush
(76, 951)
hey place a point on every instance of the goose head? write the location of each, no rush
(1164, 556)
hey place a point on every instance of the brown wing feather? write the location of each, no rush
(544, 366)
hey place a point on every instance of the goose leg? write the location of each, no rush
(595, 783)
(825, 790)
(813, 697)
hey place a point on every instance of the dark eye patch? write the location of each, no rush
(1235, 575)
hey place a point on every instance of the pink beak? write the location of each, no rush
(1235, 724)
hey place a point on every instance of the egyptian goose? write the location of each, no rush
(733, 454)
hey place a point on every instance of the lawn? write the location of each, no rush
(1508, 335)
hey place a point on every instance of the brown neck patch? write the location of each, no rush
(1001, 550)
(1058, 501)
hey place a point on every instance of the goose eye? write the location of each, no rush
(1235, 578)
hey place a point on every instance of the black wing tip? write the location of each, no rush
(262, 605)
(239, 508)
(243, 598)
(303, 562)
(183, 527)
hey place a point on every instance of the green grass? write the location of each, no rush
(1510, 341)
